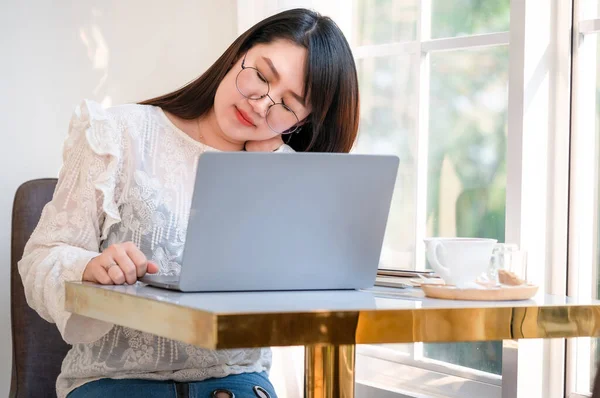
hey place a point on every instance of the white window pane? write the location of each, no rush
(451, 18)
(485, 356)
(467, 166)
(385, 21)
(589, 9)
(467, 143)
(387, 126)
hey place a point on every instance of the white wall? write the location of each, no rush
(55, 53)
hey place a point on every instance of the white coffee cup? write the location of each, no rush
(459, 261)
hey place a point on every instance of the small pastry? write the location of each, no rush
(509, 278)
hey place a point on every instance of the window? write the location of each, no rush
(440, 105)
(453, 18)
(434, 77)
(588, 9)
(465, 82)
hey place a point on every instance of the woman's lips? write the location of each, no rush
(243, 118)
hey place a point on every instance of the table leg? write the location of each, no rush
(329, 371)
(510, 370)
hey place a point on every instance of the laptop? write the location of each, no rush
(284, 221)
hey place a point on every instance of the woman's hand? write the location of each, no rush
(270, 145)
(118, 264)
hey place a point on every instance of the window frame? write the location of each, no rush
(488, 384)
(583, 228)
(534, 26)
(424, 46)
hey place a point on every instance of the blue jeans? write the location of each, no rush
(245, 385)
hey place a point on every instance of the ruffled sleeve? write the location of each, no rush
(74, 223)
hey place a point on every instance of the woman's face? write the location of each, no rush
(281, 64)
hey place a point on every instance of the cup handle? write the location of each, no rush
(434, 261)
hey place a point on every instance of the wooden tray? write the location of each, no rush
(502, 293)
(418, 282)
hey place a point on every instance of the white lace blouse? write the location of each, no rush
(127, 175)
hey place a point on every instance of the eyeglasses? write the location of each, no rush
(254, 86)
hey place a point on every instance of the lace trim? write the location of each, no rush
(104, 139)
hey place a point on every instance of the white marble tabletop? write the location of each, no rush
(377, 315)
(336, 300)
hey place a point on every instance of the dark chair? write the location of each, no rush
(38, 348)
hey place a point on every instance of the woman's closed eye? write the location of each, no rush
(286, 107)
(261, 77)
(275, 77)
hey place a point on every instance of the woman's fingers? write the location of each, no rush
(101, 276)
(116, 274)
(137, 257)
(152, 267)
(121, 257)
(269, 145)
(118, 264)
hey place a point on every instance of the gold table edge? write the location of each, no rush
(245, 330)
(201, 330)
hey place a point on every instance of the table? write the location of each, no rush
(328, 323)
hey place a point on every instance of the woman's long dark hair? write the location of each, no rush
(330, 83)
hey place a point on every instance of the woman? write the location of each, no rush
(121, 205)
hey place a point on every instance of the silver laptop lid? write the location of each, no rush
(270, 221)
